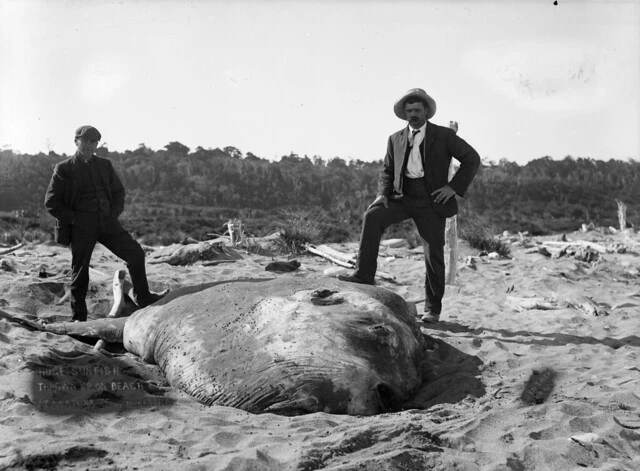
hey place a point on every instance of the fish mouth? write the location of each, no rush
(388, 400)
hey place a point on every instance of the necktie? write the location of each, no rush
(413, 136)
(414, 164)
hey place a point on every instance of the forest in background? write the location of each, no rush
(175, 193)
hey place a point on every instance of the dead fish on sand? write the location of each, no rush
(288, 345)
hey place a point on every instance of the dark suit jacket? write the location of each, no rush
(65, 190)
(439, 145)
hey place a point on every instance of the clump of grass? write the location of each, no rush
(480, 237)
(298, 229)
(14, 234)
(166, 237)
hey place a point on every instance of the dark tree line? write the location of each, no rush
(542, 196)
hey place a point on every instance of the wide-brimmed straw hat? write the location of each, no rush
(398, 108)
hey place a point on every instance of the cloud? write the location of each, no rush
(542, 75)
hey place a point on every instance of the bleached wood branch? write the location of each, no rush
(622, 214)
(582, 243)
(323, 252)
(342, 259)
(12, 249)
(525, 304)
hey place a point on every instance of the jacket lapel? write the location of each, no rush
(429, 137)
(76, 180)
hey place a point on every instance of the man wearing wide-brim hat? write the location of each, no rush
(413, 183)
(86, 197)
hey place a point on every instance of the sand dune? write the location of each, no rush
(535, 365)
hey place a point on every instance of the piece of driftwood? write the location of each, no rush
(581, 243)
(451, 249)
(342, 259)
(11, 249)
(67, 295)
(8, 265)
(622, 214)
(451, 231)
(118, 302)
(525, 304)
(588, 308)
(333, 255)
(178, 254)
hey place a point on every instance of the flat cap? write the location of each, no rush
(88, 132)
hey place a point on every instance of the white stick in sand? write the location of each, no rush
(118, 302)
(451, 233)
(622, 214)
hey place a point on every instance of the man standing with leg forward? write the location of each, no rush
(86, 197)
(413, 184)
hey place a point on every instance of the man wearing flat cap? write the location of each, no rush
(413, 183)
(86, 197)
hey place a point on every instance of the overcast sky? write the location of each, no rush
(523, 79)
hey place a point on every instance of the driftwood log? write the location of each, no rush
(342, 259)
(11, 249)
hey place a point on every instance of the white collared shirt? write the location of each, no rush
(414, 165)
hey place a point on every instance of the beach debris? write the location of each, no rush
(333, 255)
(582, 250)
(575, 244)
(588, 308)
(526, 304)
(234, 230)
(11, 249)
(342, 259)
(470, 262)
(587, 440)
(394, 243)
(450, 249)
(493, 255)
(586, 254)
(8, 265)
(335, 271)
(539, 386)
(283, 266)
(540, 249)
(544, 251)
(42, 272)
(178, 254)
(630, 423)
(616, 248)
(287, 345)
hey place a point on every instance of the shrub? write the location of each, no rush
(299, 228)
(481, 236)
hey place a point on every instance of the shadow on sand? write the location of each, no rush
(448, 376)
(524, 337)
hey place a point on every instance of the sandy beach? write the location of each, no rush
(535, 365)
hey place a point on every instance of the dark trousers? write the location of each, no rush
(415, 204)
(88, 229)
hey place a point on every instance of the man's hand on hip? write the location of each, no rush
(444, 194)
(381, 199)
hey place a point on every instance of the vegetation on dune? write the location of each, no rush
(482, 236)
(176, 193)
